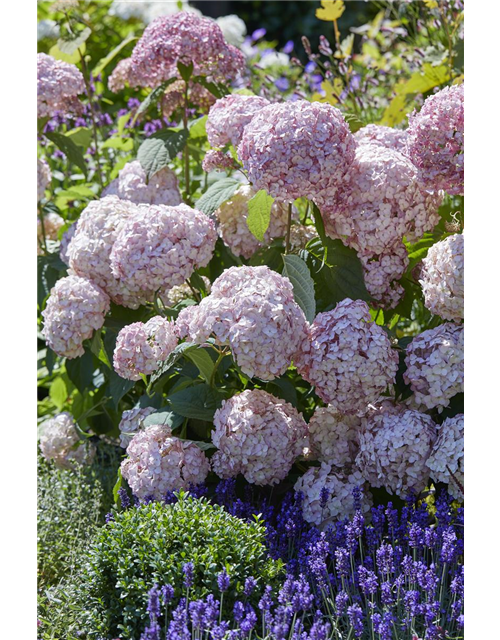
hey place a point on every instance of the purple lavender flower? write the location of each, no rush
(223, 581)
(167, 593)
(188, 570)
(289, 46)
(258, 34)
(124, 498)
(250, 584)
(355, 615)
(154, 603)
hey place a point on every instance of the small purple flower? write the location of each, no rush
(355, 615)
(154, 603)
(188, 570)
(124, 498)
(167, 593)
(324, 496)
(282, 83)
(289, 46)
(223, 581)
(250, 584)
(310, 66)
(258, 34)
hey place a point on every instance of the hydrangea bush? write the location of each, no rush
(251, 275)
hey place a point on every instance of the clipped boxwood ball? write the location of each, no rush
(150, 544)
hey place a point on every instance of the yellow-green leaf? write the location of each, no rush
(259, 214)
(72, 58)
(330, 10)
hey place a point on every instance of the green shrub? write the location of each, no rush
(150, 544)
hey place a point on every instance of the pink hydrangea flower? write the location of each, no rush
(297, 149)
(141, 347)
(89, 250)
(52, 222)
(44, 176)
(61, 443)
(381, 273)
(435, 365)
(65, 240)
(252, 309)
(75, 309)
(217, 160)
(157, 463)
(379, 201)
(384, 136)
(186, 38)
(121, 76)
(394, 446)
(132, 422)
(347, 357)
(58, 84)
(258, 435)
(446, 462)
(340, 502)
(229, 116)
(442, 278)
(173, 98)
(436, 140)
(159, 247)
(333, 437)
(131, 184)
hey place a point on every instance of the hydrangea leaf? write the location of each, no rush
(68, 46)
(203, 361)
(216, 194)
(198, 402)
(69, 148)
(164, 416)
(158, 150)
(259, 214)
(296, 270)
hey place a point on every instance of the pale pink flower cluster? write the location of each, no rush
(52, 222)
(347, 357)
(65, 241)
(131, 184)
(61, 443)
(442, 278)
(121, 76)
(141, 347)
(446, 462)
(233, 228)
(58, 84)
(297, 149)
(186, 38)
(435, 365)
(132, 422)
(333, 437)
(174, 98)
(75, 309)
(215, 160)
(382, 136)
(257, 435)
(381, 273)
(44, 176)
(340, 503)
(254, 311)
(89, 249)
(184, 292)
(159, 247)
(436, 140)
(157, 463)
(229, 116)
(394, 446)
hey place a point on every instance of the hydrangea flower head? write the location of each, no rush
(258, 435)
(61, 443)
(333, 437)
(446, 462)
(58, 84)
(382, 272)
(229, 116)
(347, 357)
(75, 309)
(436, 140)
(162, 187)
(297, 149)
(157, 463)
(383, 136)
(44, 176)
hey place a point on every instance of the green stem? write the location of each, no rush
(216, 366)
(288, 228)
(185, 153)
(42, 224)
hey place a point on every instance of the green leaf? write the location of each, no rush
(174, 356)
(202, 360)
(164, 416)
(68, 46)
(199, 402)
(259, 214)
(69, 148)
(296, 270)
(81, 136)
(118, 142)
(216, 194)
(72, 58)
(117, 487)
(283, 388)
(81, 371)
(197, 129)
(118, 387)
(216, 89)
(186, 70)
(318, 222)
(103, 62)
(58, 393)
(158, 150)
(153, 98)
(122, 121)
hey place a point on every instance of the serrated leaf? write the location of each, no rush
(58, 392)
(103, 62)
(216, 194)
(158, 150)
(259, 214)
(197, 129)
(296, 270)
(202, 360)
(69, 148)
(81, 136)
(122, 121)
(204, 446)
(330, 10)
(199, 402)
(163, 416)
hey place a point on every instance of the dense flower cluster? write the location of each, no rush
(121, 76)
(297, 149)
(58, 84)
(394, 445)
(254, 311)
(75, 309)
(61, 443)
(131, 184)
(327, 495)
(442, 278)
(186, 38)
(159, 247)
(446, 462)
(157, 463)
(383, 136)
(435, 365)
(233, 228)
(131, 422)
(141, 347)
(89, 250)
(229, 116)
(65, 240)
(436, 140)
(347, 357)
(333, 438)
(257, 435)
(381, 273)
(44, 176)
(52, 222)
(216, 160)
